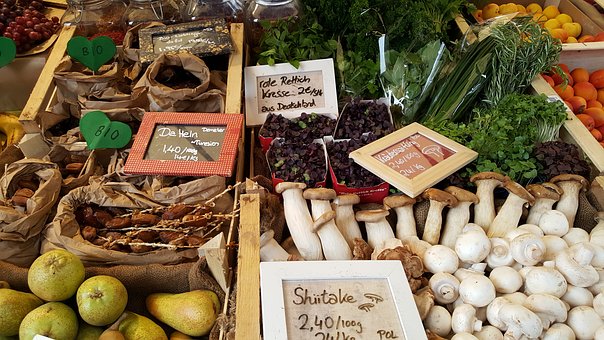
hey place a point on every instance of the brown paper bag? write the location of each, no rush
(74, 80)
(112, 99)
(64, 231)
(131, 48)
(20, 230)
(61, 156)
(202, 98)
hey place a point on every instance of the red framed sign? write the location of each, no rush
(185, 144)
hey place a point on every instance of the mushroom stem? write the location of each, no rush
(345, 221)
(484, 210)
(333, 243)
(299, 221)
(457, 218)
(270, 250)
(405, 222)
(377, 227)
(571, 186)
(509, 215)
(433, 222)
(541, 206)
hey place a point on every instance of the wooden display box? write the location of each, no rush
(573, 130)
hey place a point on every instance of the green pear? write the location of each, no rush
(14, 306)
(101, 300)
(53, 319)
(55, 275)
(88, 332)
(138, 327)
(192, 313)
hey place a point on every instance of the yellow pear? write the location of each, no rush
(507, 8)
(192, 313)
(14, 306)
(88, 332)
(138, 327)
(53, 319)
(490, 11)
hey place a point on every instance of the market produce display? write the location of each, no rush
(57, 276)
(24, 22)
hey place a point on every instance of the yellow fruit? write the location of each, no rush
(534, 8)
(573, 29)
(551, 12)
(564, 18)
(559, 33)
(490, 11)
(508, 8)
(521, 9)
(552, 23)
(571, 40)
(11, 128)
(539, 18)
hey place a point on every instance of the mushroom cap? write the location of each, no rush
(319, 194)
(488, 175)
(326, 217)
(440, 196)
(519, 191)
(281, 187)
(599, 217)
(462, 195)
(541, 192)
(571, 177)
(553, 187)
(347, 199)
(371, 215)
(396, 201)
(549, 305)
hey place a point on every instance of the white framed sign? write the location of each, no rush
(284, 89)
(350, 300)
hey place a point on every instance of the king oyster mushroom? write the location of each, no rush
(571, 185)
(510, 213)
(405, 220)
(484, 210)
(438, 201)
(546, 195)
(457, 216)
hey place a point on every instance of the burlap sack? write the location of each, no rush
(140, 281)
(64, 230)
(60, 155)
(131, 47)
(20, 231)
(74, 80)
(202, 98)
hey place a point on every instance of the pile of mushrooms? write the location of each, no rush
(490, 277)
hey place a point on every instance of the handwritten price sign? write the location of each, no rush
(8, 51)
(102, 133)
(91, 53)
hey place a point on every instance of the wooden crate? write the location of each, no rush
(565, 6)
(573, 130)
(44, 88)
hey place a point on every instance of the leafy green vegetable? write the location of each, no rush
(291, 41)
(358, 76)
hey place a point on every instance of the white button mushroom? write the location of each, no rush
(438, 321)
(299, 221)
(527, 249)
(598, 287)
(576, 235)
(333, 243)
(405, 220)
(559, 331)
(472, 245)
(577, 296)
(548, 308)
(445, 287)
(511, 211)
(598, 304)
(464, 319)
(584, 321)
(575, 264)
(439, 259)
(571, 186)
(345, 220)
(477, 290)
(489, 332)
(546, 195)
(519, 321)
(505, 280)
(378, 229)
(457, 216)
(597, 233)
(533, 229)
(599, 335)
(500, 254)
(598, 260)
(463, 336)
(424, 301)
(553, 246)
(438, 201)
(516, 297)
(545, 280)
(484, 210)
(493, 312)
(554, 222)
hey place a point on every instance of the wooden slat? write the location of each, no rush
(45, 82)
(248, 270)
(235, 73)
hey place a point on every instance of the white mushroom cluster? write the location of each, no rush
(540, 280)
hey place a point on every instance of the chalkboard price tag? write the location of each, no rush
(289, 91)
(185, 144)
(102, 133)
(91, 53)
(202, 38)
(413, 158)
(8, 51)
(352, 300)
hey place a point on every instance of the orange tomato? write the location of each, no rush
(597, 134)
(577, 104)
(594, 103)
(586, 120)
(601, 96)
(564, 67)
(587, 38)
(549, 80)
(597, 78)
(580, 74)
(597, 114)
(586, 90)
(564, 91)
